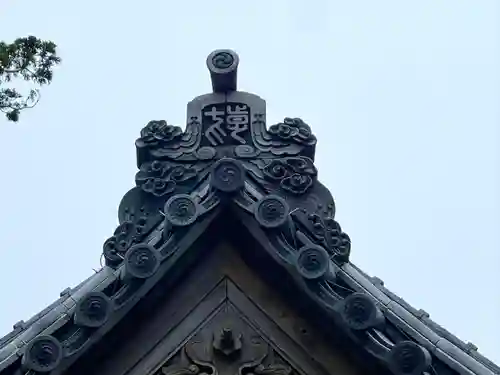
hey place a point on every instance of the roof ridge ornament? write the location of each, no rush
(223, 67)
(227, 156)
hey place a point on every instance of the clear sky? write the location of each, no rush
(404, 97)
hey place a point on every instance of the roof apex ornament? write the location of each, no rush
(223, 67)
(227, 164)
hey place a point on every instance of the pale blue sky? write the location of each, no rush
(403, 95)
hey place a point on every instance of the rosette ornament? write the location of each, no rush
(141, 261)
(93, 310)
(360, 312)
(228, 176)
(271, 211)
(409, 358)
(43, 354)
(180, 210)
(313, 262)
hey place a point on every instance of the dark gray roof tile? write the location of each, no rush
(462, 357)
(17, 330)
(69, 304)
(485, 361)
(6, 350)
(56, 324)
(446, 334)
(56, 312)
(20, 325)
(424, 337)
(66, 292)
(422, 314)
(49, 308)
(377, 281)
(8, 355)
(456, 365)
(471, 347)
(401, 301)
(412, 322)
(364, 283)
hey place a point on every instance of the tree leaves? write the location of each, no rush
(30, 59)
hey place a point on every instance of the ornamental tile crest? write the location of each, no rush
(228, 154)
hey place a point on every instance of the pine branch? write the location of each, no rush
(31, 59)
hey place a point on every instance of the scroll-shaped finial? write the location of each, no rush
(223, 66)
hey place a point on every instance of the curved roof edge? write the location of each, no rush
(458, 355)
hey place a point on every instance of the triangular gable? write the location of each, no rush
(183, 329)
(230, 176)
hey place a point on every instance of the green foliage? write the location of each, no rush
(30, 59)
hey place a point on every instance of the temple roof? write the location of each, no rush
(228, 165)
